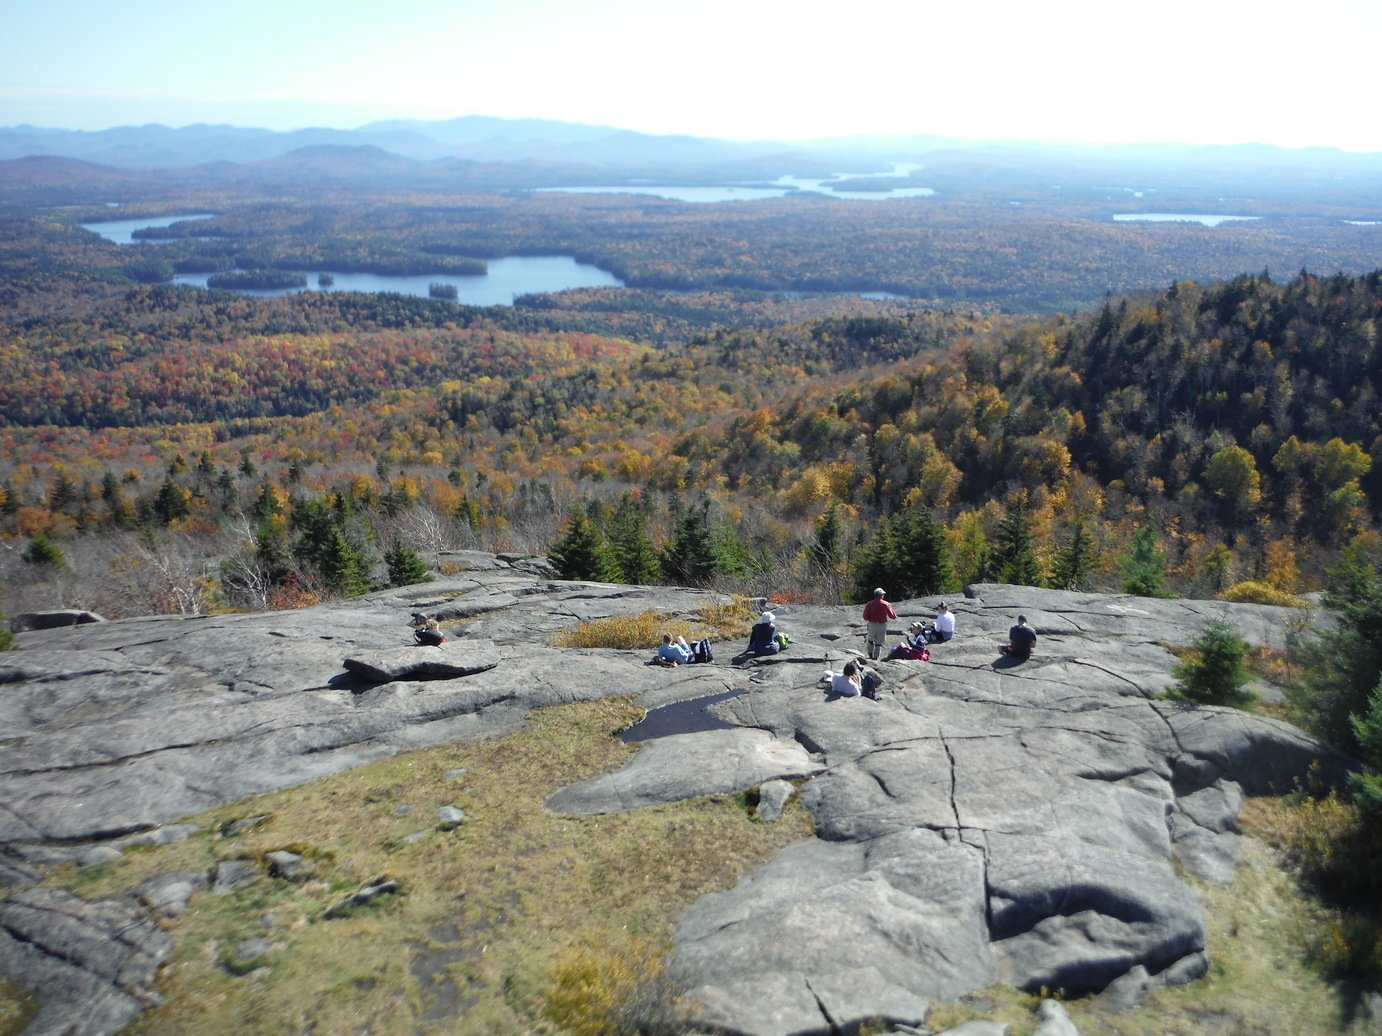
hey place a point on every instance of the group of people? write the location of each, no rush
(916, 641)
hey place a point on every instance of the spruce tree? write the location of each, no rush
(1144, 567)
(1014, 557)
(581, 552)
(631, 551)
(1343, 662)
(690, 558)
(1074, 560)
(43, 551)
(1216, 673)
(406, 566)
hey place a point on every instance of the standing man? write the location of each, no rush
(876, 614)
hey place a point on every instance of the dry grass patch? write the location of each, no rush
(481, 937)
(719, 622)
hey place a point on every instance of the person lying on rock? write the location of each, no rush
(912, 645)
(853, 681)
(430, 634)
(1021, 639)
(676, 651)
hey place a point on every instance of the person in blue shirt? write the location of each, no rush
(677, 650)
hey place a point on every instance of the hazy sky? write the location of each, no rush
(1191, 71)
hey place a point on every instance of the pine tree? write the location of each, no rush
(1216, 674)
(1144, 567)
(1074, 560)
(344, 569)
(1367, 731)
(581, 552)
(926, 555)
(631, 551)
(1014, 557)
(43, 551)
(690, 558)
(406, 567)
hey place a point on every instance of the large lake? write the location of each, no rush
(506, 279)
(779, 188)
(121, 231)
(1208, 219)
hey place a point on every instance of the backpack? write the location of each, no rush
(700, 651)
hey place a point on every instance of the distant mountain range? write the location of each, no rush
(483, 139)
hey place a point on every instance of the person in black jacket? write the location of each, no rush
(1021, 639)
(763, 636)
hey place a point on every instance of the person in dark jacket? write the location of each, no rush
(763, 636)
(1021, 639)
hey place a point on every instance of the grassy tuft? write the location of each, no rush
(721, 621)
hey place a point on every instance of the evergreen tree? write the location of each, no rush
(690, 558)
(926, 552)
(1074, 560)
(1144, 567)
(43, 551)
(876, 562)
(1216, 674)
(1367, 731)
(827, 539)
(343, 568)
(6, 637)
(406, 567)
(1014, 557)
(632, 552)
(581, 552)
(1343, 663)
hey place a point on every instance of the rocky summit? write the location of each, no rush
(985, 820)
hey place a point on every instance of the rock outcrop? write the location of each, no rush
(984, 820)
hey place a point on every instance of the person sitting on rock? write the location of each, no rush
(1021, 639)
(912, 645)
(430, 634)
(944, 627)
(763, 636)
(675, 650)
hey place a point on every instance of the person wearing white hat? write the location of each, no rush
(763, 636)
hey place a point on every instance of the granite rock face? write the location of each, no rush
(983, 820)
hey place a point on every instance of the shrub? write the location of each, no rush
(1252, 591)
(1216, 673)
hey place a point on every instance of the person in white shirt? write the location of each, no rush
(945, 623)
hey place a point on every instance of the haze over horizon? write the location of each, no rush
(1073, 70)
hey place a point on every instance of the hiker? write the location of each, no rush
(763, 638)
(429, 634)
(912, 645)
(944, 626)
(876, 614)
(676, 651)
(1021, 639)
(853, 681)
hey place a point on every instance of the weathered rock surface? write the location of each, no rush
(984, 820)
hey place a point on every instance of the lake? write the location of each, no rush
(121, 231)
(779, 188)
(508, 277)
(1205, 218)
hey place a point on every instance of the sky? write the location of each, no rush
(1094, 71)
